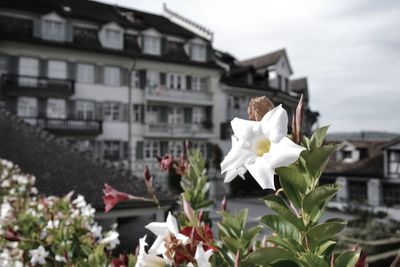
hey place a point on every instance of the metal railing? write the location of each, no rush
(185, 128)
(67, 125)
(163, 92)
(13, 83)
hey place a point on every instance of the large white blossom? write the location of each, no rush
(38, 256)
(260, 147)
(202, 257)
(147, 260)
(162, 230)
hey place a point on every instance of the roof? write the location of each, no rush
(264, 60)
(60, 169)
(393, 142)
(299, 85)
(100, 13)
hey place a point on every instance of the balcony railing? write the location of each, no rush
(67, 126)
(166, 129)
(162, 93)
(13, 84)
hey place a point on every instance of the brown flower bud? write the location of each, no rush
(258, 107)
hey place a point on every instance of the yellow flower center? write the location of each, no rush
(262, 146)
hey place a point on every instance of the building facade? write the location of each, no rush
(126, 85)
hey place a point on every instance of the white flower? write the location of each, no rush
(95, 230)
(202, 257)
(146, 260)
(38, 256)
(260, 147)
(162, 230)
(79, 202)
(53, 224)
(87, 211)
(5, 212)
(5, 258)
(111, 240)
(60, 258)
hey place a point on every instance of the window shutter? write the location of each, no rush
(43, 67)
(69, 32)
(163, 114)
(42, 107)
(163, 148)
(186, 47)
(37, 28)
(124, 77)
(163, 45)
(224, 131)
(125, 150)
(187, 115)
(71, 71)
(163, 78)
(123, 112)
(189, 82)
(11, 104)
(99, 111)
(142, 79)
(209, 53)
(209, 150)
(13, 64)
(71, 109)
(98, 75)
(142, 113)
(98, 149)
(139, 150)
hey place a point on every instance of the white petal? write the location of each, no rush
(236, 157)
(172, 224)
(202, 257)
(244, 129)
(153, 261)
(158, 228)
(232, 174)
(283, 153)
(183, 238)
(158, 246)
(261, 172)
(274, 124)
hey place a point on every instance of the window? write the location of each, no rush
(151, 45)
(201, 146)
(113, 38)
(85, 73)
(394, 162)
(198, 115)
(57, 69)
(111, 111)
(85, 110)
(53, 30)
(137, 113)
(3, 65)
(236, 102)
(27, 107)
(56, 108)
(112, 76)
(175, 81)
(347, 154)
(175, 115)
(111, 150)
(198, 52)
(151, 149)
(175, 148)
(153, 79)
(28, 66)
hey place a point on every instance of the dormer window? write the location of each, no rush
(111, 36)
(151, 45)
(53, 27)
(198, 52)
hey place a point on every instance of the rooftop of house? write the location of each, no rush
(60, 169)
(264, 60)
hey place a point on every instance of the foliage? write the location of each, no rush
(49, 231)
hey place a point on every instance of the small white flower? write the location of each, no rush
(111, 240)
(5, 212)
(146, 260)
(38, 256)
(87, 211)
(79, 202)
(96, 230)
(260, 147)
(53, 224)
(61, 258)
(202, 257)
(162, 230)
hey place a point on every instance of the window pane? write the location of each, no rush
(112, 76)
(27, 107)
(28, 66)
(151, 45)
(85, 73)
(53, 30)
(57, 69)
(56, 108)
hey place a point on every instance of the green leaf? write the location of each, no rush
(325, 248)
(347, 259)
(267, 256)
(318, 159)
(281, 226)
(293, 176)
(314, 260)
(287, 243)
(233, 244)
(284, 263)
(277, 204)
(325, 231)
(291, 193)
(318, 137)
(315, 202)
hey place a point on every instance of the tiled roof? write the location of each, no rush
(264, 60)
(299, 85)
(60, 169)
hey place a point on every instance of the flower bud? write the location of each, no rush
(258, 107)
(166, 162)
(112, 197)
(223, 204)
(147, 175)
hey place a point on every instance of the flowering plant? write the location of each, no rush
(47, 231)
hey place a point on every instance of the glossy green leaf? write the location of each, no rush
(318, 137)
(292, 194)
(347, 259)
(325, 248)
(314, 260)
(317, 160)
(267, 256)
(314, 202)
(293, 176)
(281, 226)
(325, 231)
(287, 243)
(277, 204)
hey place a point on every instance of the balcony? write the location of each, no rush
(177, 130)
(67, 126)
(13, 84)
(163, 94)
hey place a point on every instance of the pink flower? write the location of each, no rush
(166, 162)
(183, 165)
(112, 197)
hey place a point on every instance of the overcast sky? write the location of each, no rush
(349, 50)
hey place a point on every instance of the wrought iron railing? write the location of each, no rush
(67, 125)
